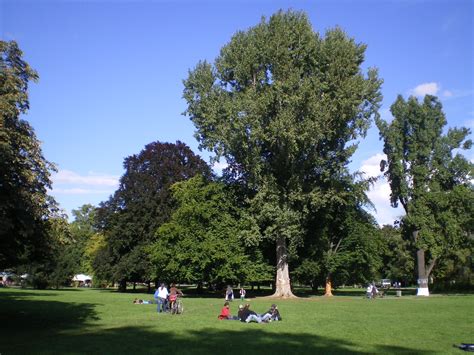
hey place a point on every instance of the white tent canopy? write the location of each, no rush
(82, 277)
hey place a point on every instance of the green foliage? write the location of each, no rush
(86, 238)
(397, 255)
(343, 245)
(24, 179)
(202, 242)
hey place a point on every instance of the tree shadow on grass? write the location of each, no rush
(36, 322)
(49, 327)
(136, 340)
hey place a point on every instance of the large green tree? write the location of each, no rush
(284, 106)
(24, 172)
(203, 240)
(130, 218)
(429, 178)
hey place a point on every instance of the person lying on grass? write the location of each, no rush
(247, 315)
(138, 301)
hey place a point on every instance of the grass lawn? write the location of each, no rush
(104, 322)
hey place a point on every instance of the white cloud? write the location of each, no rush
(78, 191)
(70, 177)
(379, 193)
(371, 166)
(426, 89)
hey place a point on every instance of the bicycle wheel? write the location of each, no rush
(173, 308)
(179, 308)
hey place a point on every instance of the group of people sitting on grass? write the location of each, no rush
(245, 314)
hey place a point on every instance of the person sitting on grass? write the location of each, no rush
(246, 315)
(225, 313)
(272, 314)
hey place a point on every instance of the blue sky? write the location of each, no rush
(111, 72)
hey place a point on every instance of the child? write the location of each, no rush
(242, 294)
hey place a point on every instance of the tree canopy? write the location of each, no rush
(429, 177)
(25, 205)
(285, 107)
(203, 240)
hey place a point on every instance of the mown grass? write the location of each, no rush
(81, 321)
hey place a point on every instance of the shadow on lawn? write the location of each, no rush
(33, 323)
(50, 327)
(132, 340)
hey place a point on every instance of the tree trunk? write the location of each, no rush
(423, 289)
(282, 283)
(123, 285)
(328, 289)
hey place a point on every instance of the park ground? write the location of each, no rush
(94, 321)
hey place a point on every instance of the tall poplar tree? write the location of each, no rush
(429, 178)
(282, 105)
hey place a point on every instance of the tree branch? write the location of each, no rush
(430, 267)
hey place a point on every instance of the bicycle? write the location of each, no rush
(176, 306)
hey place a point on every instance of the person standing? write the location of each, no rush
(375, 292)
(161, 295)
(242, 294)
(369, 291)
(229, 294)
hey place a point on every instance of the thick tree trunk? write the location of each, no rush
(328, 289)
(282, 282)
(423, 289)
(123, 286)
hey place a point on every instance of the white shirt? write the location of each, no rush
(163, 292)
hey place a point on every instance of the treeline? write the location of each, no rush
(286, 109)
